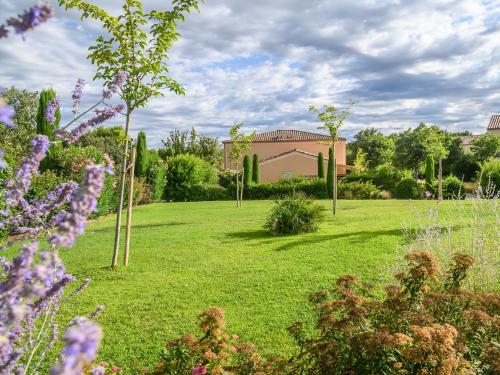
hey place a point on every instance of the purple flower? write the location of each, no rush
(7, 113)
(81, 343)
(199, 370)
(3, 164)
(77, 94)
(31, 18)
(115, 85)
(102, 115)
(17, 188)
(51, 111)
(72, 223)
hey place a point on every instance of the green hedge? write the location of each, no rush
(358, 190)
(313, 188)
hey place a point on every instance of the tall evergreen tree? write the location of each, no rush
(141, 159)
(329, 173)
(255, 169)
(430, 175)
(44, 127)
(247, 171)
(321, 166)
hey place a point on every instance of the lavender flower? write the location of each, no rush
(115, 85)
(98, 311)
(51, 111)
(71, 224)
(102, 115)
(82, 286)
(77, 94)
(7, 113)
(81, 342)
(16, 189)
(31, 18)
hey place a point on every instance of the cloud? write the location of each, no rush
(264, 62)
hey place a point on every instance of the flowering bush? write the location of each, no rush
(294, 214)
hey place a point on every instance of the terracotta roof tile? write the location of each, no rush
(494, 122)
(289, 136)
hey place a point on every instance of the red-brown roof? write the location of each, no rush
(289, 136)
(494, 122)
(289, 152)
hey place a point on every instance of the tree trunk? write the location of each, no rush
(237, 186)
(242, 187)
(334, 182)
(123, 172)
(440, 174)
(129, 206)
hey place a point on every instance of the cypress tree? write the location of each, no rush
(141, 159)
(321, 166)
(329, 174)
(45, 128)
(429, 170)
(255, 169)
(247, 171)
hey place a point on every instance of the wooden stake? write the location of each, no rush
(129, 206)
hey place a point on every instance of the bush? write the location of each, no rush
(453, 188)
(156, 178)
(385, 177)
(108, 200)
(70, 163)
(489, 177)
(226, 177)
(314, 188)
(358, 190)
(294, 214)
(42, 184)
(184, 172)
(208, 193)
(407, 188)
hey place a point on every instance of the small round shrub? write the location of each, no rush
(185, 172)
(453, 188)
(407, 188)
(358, 190)
(294, 214)
(489, 177)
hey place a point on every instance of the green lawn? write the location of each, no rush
(189, 256)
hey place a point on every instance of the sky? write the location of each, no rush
(264, 62)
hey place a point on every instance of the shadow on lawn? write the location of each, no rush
(141, 226)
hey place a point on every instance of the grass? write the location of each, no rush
(189, 256)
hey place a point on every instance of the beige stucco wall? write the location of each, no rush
(493, 131)
(266, 150)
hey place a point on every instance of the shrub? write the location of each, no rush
(294, 214)
(255, 169)
(142, 156)
(108, 200)
(42, 184)
(384, 177)
(226, 177)
(489, 177)
(314, 188)
(358, 190)
(70, 163)
(407, 188)
(184, 172)
(247, 171)
(321, 166)
(453, 188)
(156, 178)
(208, 193)
(430, 174)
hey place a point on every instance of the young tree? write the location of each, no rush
(329, 173)
(321, 166)
(240, 142)
(332, 119)
(142, 154)
(437, 148)
(247, 171)
(255, 169)
(135, 48)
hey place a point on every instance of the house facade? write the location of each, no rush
(287, 153)
(493, 128)
(494, 125)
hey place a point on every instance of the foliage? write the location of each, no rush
(107, 201)
(329, 173)
(42, 124)
(332, 118)
(71, 161)
(314, 188)
(180, 142)
(15, 142)
(429, 170)
(294, 214)
(358, 190)
(109, 140)
(226, 177)
(486, 147)
(466, 167)
(255, 169)
(207, 193)
(453, 188)
(384, 176)
(378, 148)
(360, 161)
(407, 188)
(185, 172)
(142, 155)
(247, 171)
(489, 177)
(321, 166)
(43, 183)
(156, 178)
(426, 324)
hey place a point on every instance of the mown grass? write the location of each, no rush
(189, 256)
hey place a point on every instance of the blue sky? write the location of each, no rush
(264, 62)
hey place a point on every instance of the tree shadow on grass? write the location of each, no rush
(140, 226)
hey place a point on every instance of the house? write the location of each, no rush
(493, 128)
(494, 125)
(286, 153)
